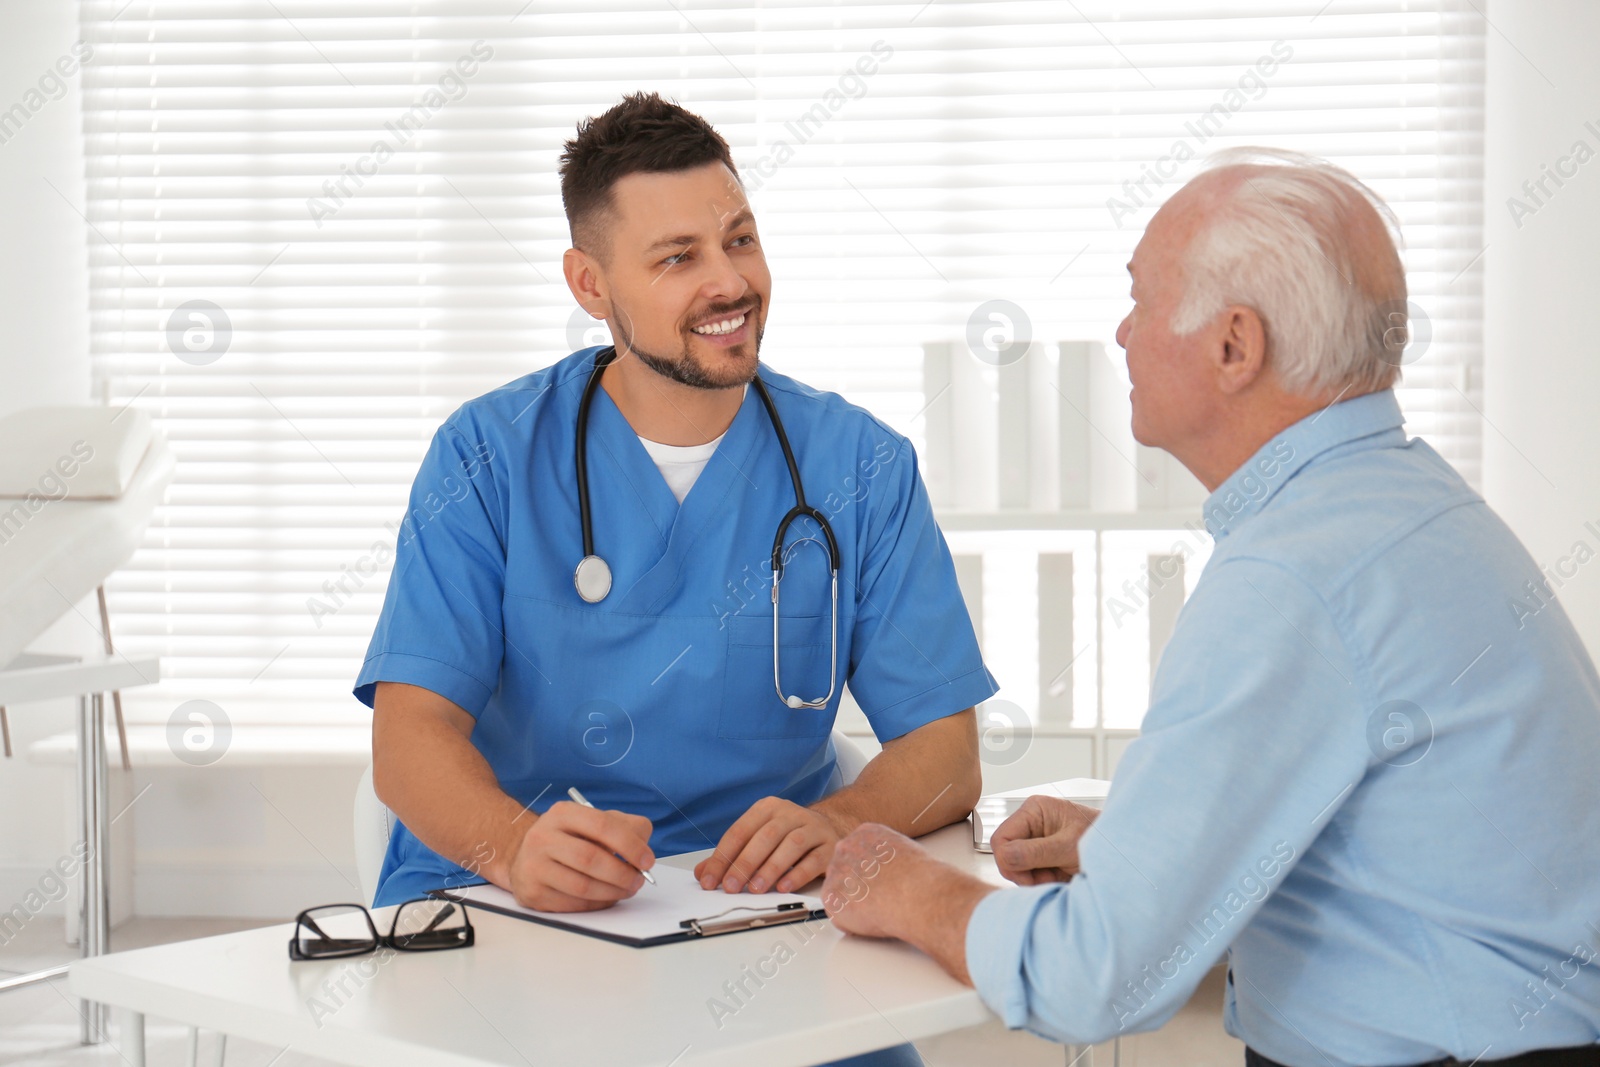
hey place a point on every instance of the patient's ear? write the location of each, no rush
(1241, 352)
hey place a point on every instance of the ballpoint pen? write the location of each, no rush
(579, 798)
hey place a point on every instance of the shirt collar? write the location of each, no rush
(1258, 480)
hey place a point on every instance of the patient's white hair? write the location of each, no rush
(1312, 250)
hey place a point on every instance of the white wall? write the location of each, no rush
(1541, 371)
(44, 280)
(44, 338)
(253, 842)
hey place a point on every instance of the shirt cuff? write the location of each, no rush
(997, 938)
(436, 676)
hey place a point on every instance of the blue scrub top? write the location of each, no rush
(659, 700)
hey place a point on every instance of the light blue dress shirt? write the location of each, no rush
(1370, 769)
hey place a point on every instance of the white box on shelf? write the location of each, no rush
(1073, 431)
(938, 422)
(1026, 420)
(1108, 425)
(960, 392)
(969, 578)
(1056, 643)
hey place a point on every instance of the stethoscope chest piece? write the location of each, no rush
(593, 579)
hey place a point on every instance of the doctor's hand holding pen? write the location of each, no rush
(579, 858)
(1039, 842)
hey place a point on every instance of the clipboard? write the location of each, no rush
(682, 912)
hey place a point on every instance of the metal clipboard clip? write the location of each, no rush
(793, 912)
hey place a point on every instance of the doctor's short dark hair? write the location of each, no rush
(642, 134)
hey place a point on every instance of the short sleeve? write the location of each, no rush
(914, 656)
(441, 626)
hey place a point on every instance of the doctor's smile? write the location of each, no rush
(731, 327)
(728, 331)
(721, 327)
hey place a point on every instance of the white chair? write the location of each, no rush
(374, 821)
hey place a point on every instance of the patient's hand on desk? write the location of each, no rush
(567, 861)
(883, 884)
(1039, 843)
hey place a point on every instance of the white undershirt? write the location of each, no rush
(680, 465)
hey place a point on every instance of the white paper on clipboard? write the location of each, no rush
(652, 915)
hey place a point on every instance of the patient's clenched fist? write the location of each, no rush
(1039, 843)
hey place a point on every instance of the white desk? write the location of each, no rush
(527, 994)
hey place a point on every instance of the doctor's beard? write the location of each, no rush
(685, 369)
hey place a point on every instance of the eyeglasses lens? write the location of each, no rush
(336, 930)
(423, 925)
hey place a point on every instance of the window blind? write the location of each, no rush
(318, 227)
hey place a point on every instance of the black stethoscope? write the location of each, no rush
(593, 575)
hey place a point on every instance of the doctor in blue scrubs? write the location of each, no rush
(499, 678)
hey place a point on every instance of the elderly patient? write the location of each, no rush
(1366, 778)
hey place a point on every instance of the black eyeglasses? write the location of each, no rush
(335, 930)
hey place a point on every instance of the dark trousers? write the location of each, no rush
(1580, 1056)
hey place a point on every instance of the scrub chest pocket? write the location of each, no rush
(751, 708)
